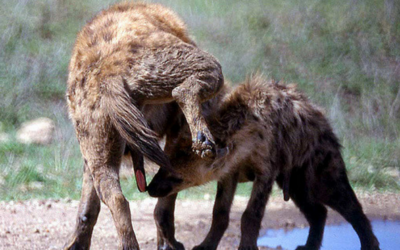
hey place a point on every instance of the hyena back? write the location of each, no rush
(273, 133)
(127, 58)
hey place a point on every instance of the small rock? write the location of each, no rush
(38, 131)
(392, 172)
(36, 231)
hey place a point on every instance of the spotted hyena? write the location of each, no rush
(127, 66)
(272, 133)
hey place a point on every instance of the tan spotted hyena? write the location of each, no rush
(127, 66)
(273, 133)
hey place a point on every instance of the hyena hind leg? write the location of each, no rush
(89, 208)
(345, 202)
(341, 197)
(109, 189)
(104, 167)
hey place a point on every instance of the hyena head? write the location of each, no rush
(193, 170)
(164, 184)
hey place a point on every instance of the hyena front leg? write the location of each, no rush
(252, 217)
(89, 208)
(195, 90)
(222, 206)
(165, 222)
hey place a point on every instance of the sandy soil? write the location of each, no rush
(45, 224)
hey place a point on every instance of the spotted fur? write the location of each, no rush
(131, 66)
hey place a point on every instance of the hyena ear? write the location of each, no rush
(138, 167)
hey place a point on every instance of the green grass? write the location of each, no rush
(345, 55)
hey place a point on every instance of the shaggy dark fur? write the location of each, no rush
(273, 133)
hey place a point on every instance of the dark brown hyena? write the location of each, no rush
(273, 133)
(127, 57)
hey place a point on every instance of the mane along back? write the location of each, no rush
(296, 124)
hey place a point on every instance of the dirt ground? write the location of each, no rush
(45, 224)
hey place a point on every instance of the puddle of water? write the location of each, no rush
(336, 237)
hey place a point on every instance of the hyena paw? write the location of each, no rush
(370, 248)
(203, 146)
(306, 248)
(74, 245)
(248, 248)
(203, 247)
(176, 246)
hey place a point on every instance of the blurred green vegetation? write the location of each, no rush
(344, 54)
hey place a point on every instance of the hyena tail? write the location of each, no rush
(131, 124)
